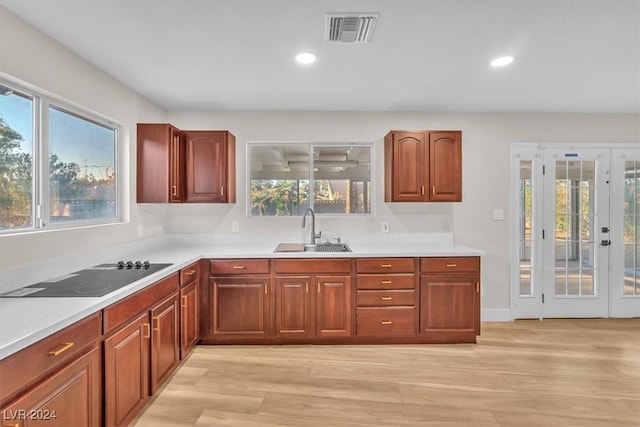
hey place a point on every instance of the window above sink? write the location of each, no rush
(286, 178)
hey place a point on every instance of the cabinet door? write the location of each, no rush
(160, 163)
(409, 166)
(71, 397)
(239, 307)
(189, 325)
(445, 166)
(176, 165)
(207, 167)
(165, 343)
(449, 305)
(295, 313)
(333, 306)
(126, 371)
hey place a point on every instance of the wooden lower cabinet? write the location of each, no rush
(189, 318)
(126, 371)
(239, 307)
(165, 340)
(333, 306)
(70, 397)
(450, 298)
(313, 306)
(386, 297)
(295, 307)
(141, 352)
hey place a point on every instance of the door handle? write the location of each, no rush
(605, 243)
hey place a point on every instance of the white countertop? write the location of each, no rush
(24, 321)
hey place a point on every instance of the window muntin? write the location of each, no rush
(287, 178)
(62, 177)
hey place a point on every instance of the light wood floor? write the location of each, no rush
(525, 373)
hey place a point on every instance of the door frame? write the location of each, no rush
(531, 306)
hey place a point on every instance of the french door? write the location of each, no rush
(574, 242)
(576, 231)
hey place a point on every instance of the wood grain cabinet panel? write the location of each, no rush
(238, 266)
(189, 318)
(314, 305)
(333, 306)
(26, 367)
(450, 298)
(160, 163)
(210, 167)
(165, 340)
(239, 306)
(126, 371)
(386, 297)
(175, 166)
(295, 306)
(423, 166)
(385, 265)
(70, 397)
(386, 321)
(141, 349)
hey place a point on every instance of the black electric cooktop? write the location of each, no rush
(92, 282)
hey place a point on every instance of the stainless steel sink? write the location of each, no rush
(327, 247)
(320, 247)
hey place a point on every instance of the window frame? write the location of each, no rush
(40, 208)
(311, 146)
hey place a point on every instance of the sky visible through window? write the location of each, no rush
(69, 137)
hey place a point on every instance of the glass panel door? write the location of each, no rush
(625, 233)
(576, 210)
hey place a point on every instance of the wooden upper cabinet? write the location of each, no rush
(177, 166)
(210, 167)
(445, 166)
(423, 166)
(160, 163)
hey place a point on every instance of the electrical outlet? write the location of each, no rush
(385, 227)
(235, 227)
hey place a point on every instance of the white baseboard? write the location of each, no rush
(495, 315)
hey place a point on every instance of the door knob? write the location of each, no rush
(605, 243)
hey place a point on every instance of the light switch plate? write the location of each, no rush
(498, 215)
(385, 227)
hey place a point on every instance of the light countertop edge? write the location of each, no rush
(24, 321)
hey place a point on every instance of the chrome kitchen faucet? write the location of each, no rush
(314, 236)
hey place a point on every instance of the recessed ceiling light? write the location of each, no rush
(306, 58)
(502, 61)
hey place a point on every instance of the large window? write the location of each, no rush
(287, 178)
(57, 164)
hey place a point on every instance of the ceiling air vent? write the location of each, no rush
(350, 28)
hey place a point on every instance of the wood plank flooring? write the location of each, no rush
(526, 373)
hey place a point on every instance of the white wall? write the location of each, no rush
(486, 139)
(34, 58)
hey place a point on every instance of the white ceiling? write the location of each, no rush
(570, 55)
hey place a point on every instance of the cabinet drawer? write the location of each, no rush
(22, 368)
(385, 298)
(239, 266)
(120, 312)
(190, 274)
(385, 321)
(311, 266)
(386, 281)
(385, 265)
(450, 264)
